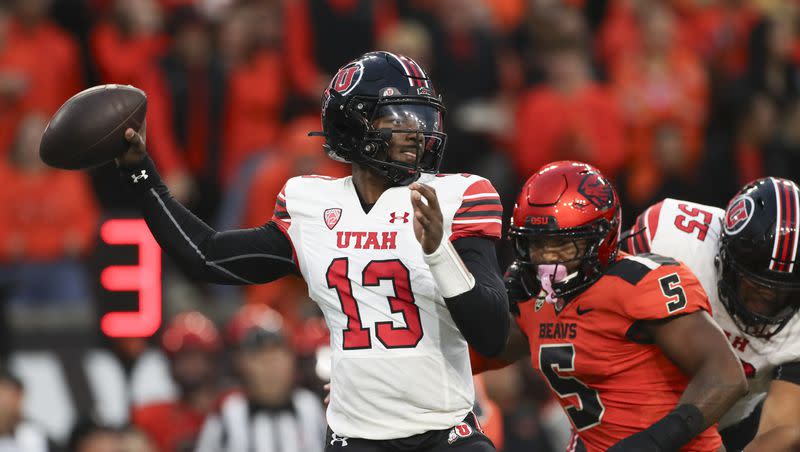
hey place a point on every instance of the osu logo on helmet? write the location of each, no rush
(596, 190)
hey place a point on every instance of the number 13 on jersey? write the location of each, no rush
(356, 336)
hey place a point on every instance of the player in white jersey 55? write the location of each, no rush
(399, 258)
(746, 259)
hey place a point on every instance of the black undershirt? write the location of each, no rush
(263, 254)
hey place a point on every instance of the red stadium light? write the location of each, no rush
(144, 278)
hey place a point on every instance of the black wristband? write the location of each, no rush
(677, 428)
(142, 176)
(788, 372)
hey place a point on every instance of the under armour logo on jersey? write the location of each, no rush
(394, 216)
(335, 439)
(142, 175)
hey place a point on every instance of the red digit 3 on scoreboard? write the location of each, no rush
(143, 278)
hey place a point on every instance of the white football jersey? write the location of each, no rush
(400, 366)
(690, 233)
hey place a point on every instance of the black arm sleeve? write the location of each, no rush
(245, 256)
(481, 313)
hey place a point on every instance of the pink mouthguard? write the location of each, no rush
(549, 274)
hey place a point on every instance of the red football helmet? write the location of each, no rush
(190, 330)
(254, 324)
(572, 203)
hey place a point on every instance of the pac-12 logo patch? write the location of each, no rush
(348, 77)
(331, 217)
(460, 431)
(739, 213)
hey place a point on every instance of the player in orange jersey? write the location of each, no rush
(626, 343)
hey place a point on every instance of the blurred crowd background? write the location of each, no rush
(678, 98)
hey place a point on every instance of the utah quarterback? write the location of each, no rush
(626, 343)
(400, 259)
(745, 258)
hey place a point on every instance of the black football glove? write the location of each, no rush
(516, 288)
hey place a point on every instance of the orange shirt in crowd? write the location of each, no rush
(620, 33)
(675, 90)
(45, 215)
(172, 426)
(299, 38)
(720, 34)
(161, 141)
(62, 57)
(18, 62)
(506, 14)
(585, 125)
(134, 61)
(46, 61)
(119, 58)
(675, 87)
(256, 94)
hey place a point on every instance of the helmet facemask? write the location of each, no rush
(759, 308)
(576, 266)
(399, 137)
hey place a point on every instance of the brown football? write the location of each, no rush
(88, 130)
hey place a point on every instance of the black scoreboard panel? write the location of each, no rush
(127, 270)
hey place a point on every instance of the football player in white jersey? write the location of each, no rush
(399, 258)
(746, 259)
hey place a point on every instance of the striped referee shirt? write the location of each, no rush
(240, 426)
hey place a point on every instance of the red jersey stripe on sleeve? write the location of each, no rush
(480, 213)
(280, 215)
(640, 238)
(651, 216)
(480, 189)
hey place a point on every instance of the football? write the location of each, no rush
(88, 130)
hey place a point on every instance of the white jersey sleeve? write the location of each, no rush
(399, 364)
(685, 231)
(690, 232)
